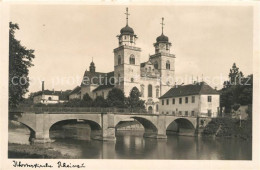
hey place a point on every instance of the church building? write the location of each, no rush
(153, 78)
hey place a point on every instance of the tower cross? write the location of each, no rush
(162, 24)
(127, 14)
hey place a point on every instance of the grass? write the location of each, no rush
(33, 151)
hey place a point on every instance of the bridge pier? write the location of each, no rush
(41, 129)
(108, 129)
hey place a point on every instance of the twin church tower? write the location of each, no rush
(153, 78)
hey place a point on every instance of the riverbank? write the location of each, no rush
(228, 127)
(33, 151)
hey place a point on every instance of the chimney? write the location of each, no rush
(42, 86)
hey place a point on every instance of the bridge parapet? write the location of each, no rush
(77, 109)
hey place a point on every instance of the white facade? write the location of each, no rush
(193, 105)
(46, 99)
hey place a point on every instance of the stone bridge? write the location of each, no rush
(155, 125)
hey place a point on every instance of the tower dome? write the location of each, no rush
(162, 38)
(127, 30)
(127, 35)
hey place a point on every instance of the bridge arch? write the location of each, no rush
(93, 125)
(32, 131)
(185, 124)
(148, 124)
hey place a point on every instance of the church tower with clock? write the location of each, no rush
(164, 61)
(127, 59)
(152, 78)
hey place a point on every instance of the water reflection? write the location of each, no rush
(132, 145)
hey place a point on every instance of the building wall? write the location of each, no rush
(200, 106)
(177, 107)
(213, 105)
(103, 93)
(46, 99)
(88, 89)
(167, 76)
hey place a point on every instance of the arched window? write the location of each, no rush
(150, 90)
(157, 92)
(119, 60)
(168, 66)
(132, 59)
(157, 108)
(49, 98)
(142, 90)
(150, 109)
(156, 65)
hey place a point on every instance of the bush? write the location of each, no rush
(228, 127)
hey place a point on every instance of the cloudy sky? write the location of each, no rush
(206, 39)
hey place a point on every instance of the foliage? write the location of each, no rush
(238, 90)
(88, 100)
(227, 127)
(236, 107)
(20, 59)
(134, 101)
(116, 98)
(99, 102)
(75, 103)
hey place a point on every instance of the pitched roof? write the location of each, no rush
(76, 90)
(106, 84)
(101, 87)
(190, 89)
(94, 77)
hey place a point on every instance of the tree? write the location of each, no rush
(20, 59)
(134, 101)
(116, 98)
(99, 102)
(238, 90)
(88, 100)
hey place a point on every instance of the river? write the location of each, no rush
(131, 145)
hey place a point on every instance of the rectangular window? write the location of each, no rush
(173, 113)
(162, 102)
(167, 101)
(180, 113)
(180, 100)
(193, 99)
(209, 98)
(167, 113)
(192, 113)
(186, 99)
(186, 113)
(173, 101)
(209, 113)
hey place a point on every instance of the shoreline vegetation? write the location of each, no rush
(34, 151)
(229, 127)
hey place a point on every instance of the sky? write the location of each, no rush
(206, 40)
